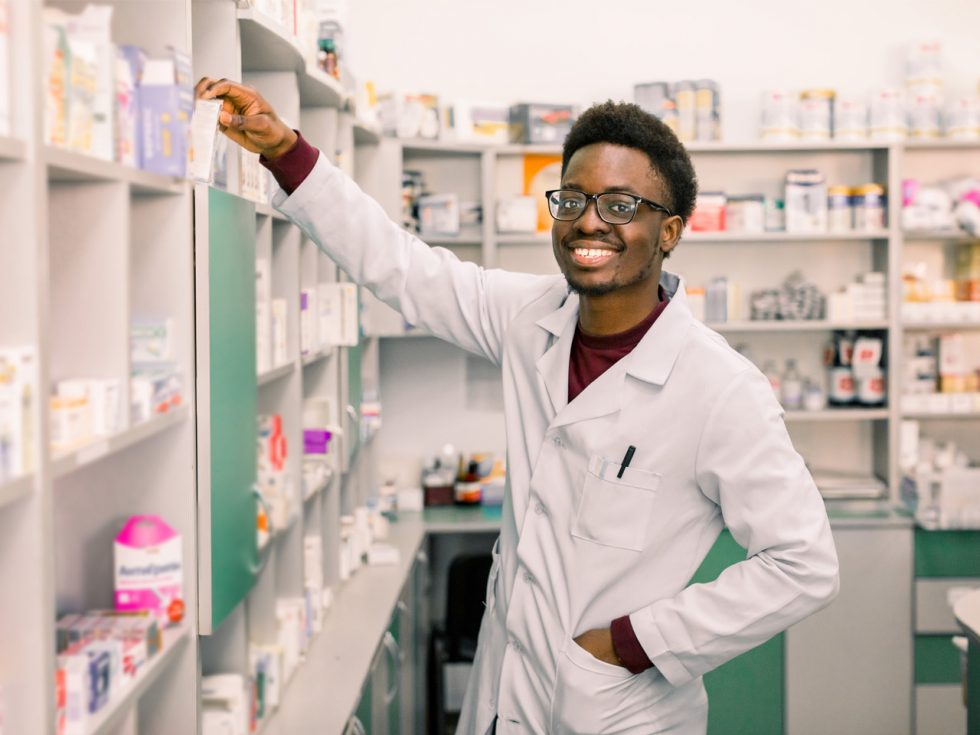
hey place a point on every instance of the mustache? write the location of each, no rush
(613, 242)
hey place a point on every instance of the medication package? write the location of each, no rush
(204, 139)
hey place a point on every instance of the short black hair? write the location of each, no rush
(625, 124)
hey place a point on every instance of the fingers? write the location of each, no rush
(239, 94)
(258, 124)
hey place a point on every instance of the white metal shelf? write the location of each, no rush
(838, 414)
(72, 167)
(319, 487)
(783, 237)
(366, 133)
(15, 488)
(442, 147)
(941, 415)
(268, 46)
(107, 719)
(806, 325)
(941, 144)
(909, 326)
(323, 353)
(12, 149)
(947, 235)
(64, 463)
(795, 146)
(270, 376)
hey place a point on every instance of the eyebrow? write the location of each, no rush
(624, 188)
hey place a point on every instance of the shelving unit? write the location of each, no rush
(13, 490)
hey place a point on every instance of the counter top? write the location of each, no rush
(967, 612)
(461, 519)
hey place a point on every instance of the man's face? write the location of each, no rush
(598, 258)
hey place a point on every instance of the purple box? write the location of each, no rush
(166, 101)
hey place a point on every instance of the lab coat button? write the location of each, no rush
(539, 509)
(528, 578)
(558, 442)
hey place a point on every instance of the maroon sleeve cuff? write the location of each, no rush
(292, 167)
(627, 647)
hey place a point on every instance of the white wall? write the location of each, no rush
(587, 50)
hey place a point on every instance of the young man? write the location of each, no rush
(634, 435)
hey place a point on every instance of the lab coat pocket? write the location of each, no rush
(616, 511)
(594, 697)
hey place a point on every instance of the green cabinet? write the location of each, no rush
(226, 395)
(746, 694)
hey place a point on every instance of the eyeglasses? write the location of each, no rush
(614, 207)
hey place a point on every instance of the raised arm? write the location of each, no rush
(456, 301)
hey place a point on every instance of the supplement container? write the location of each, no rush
(963, 119)
(840, 216)
(779, 116)
(887, 115)
(850, 120)
(869, 208)
(816, 114)
(924, 117)
(806, 201)
(746, 213)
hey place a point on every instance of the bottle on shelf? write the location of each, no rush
(792, 387)
(840, 376)
(770, 370)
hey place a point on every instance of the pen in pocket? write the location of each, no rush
(626, 462)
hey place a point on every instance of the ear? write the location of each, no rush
(671, 230)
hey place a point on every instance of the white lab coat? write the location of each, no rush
(579, 547)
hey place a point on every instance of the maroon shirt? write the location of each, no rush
(591, 356)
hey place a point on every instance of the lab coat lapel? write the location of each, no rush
(552, 366)
(652, 360)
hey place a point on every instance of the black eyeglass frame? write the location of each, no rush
(589, 198)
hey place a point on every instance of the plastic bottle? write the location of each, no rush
(792, 387)
(775, 380)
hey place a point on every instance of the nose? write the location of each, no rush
(590, 221)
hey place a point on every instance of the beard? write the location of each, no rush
(602, 289)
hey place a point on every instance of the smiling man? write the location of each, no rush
(634, 435)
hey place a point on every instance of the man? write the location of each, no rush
(634, 434)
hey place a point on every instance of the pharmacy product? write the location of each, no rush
(707, 110)
(476, 121)
(780, 121)
(887, 121)
(963, 119)
(93, 27)
(685, 98)
(518, 213)
(16, 415)
(71, 422)
(149, 572)
(791, 387)
(308, 310)
(540, 123)
(128, 67)
(225, 704)
(816, 114)
(745, 213)
(152, 341)
(82, 85)
(850, 120)
(924, 116)
(204, 135)
(869, 208)
(709, 212)
(166, 100)
(154, 389)
(280, 312)
(438, 214)
(339, 314)
(56, 69)
(840, 214)
(806, 201)
(104, 400)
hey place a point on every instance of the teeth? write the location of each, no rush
(590, 252)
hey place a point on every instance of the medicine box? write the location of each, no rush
(438, 214)
(476, 121)
(152, 341)
(129, 61)
(149, 571)
(338, 314)
(166, 99)
(16, 424)
(540, 123)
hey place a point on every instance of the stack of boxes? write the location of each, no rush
(864, 300)
(114, 102)
(273, 480)
(155, 378)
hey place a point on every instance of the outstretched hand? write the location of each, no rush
(247, 118)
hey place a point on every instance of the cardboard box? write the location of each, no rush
(540, 123)
(166, 100)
